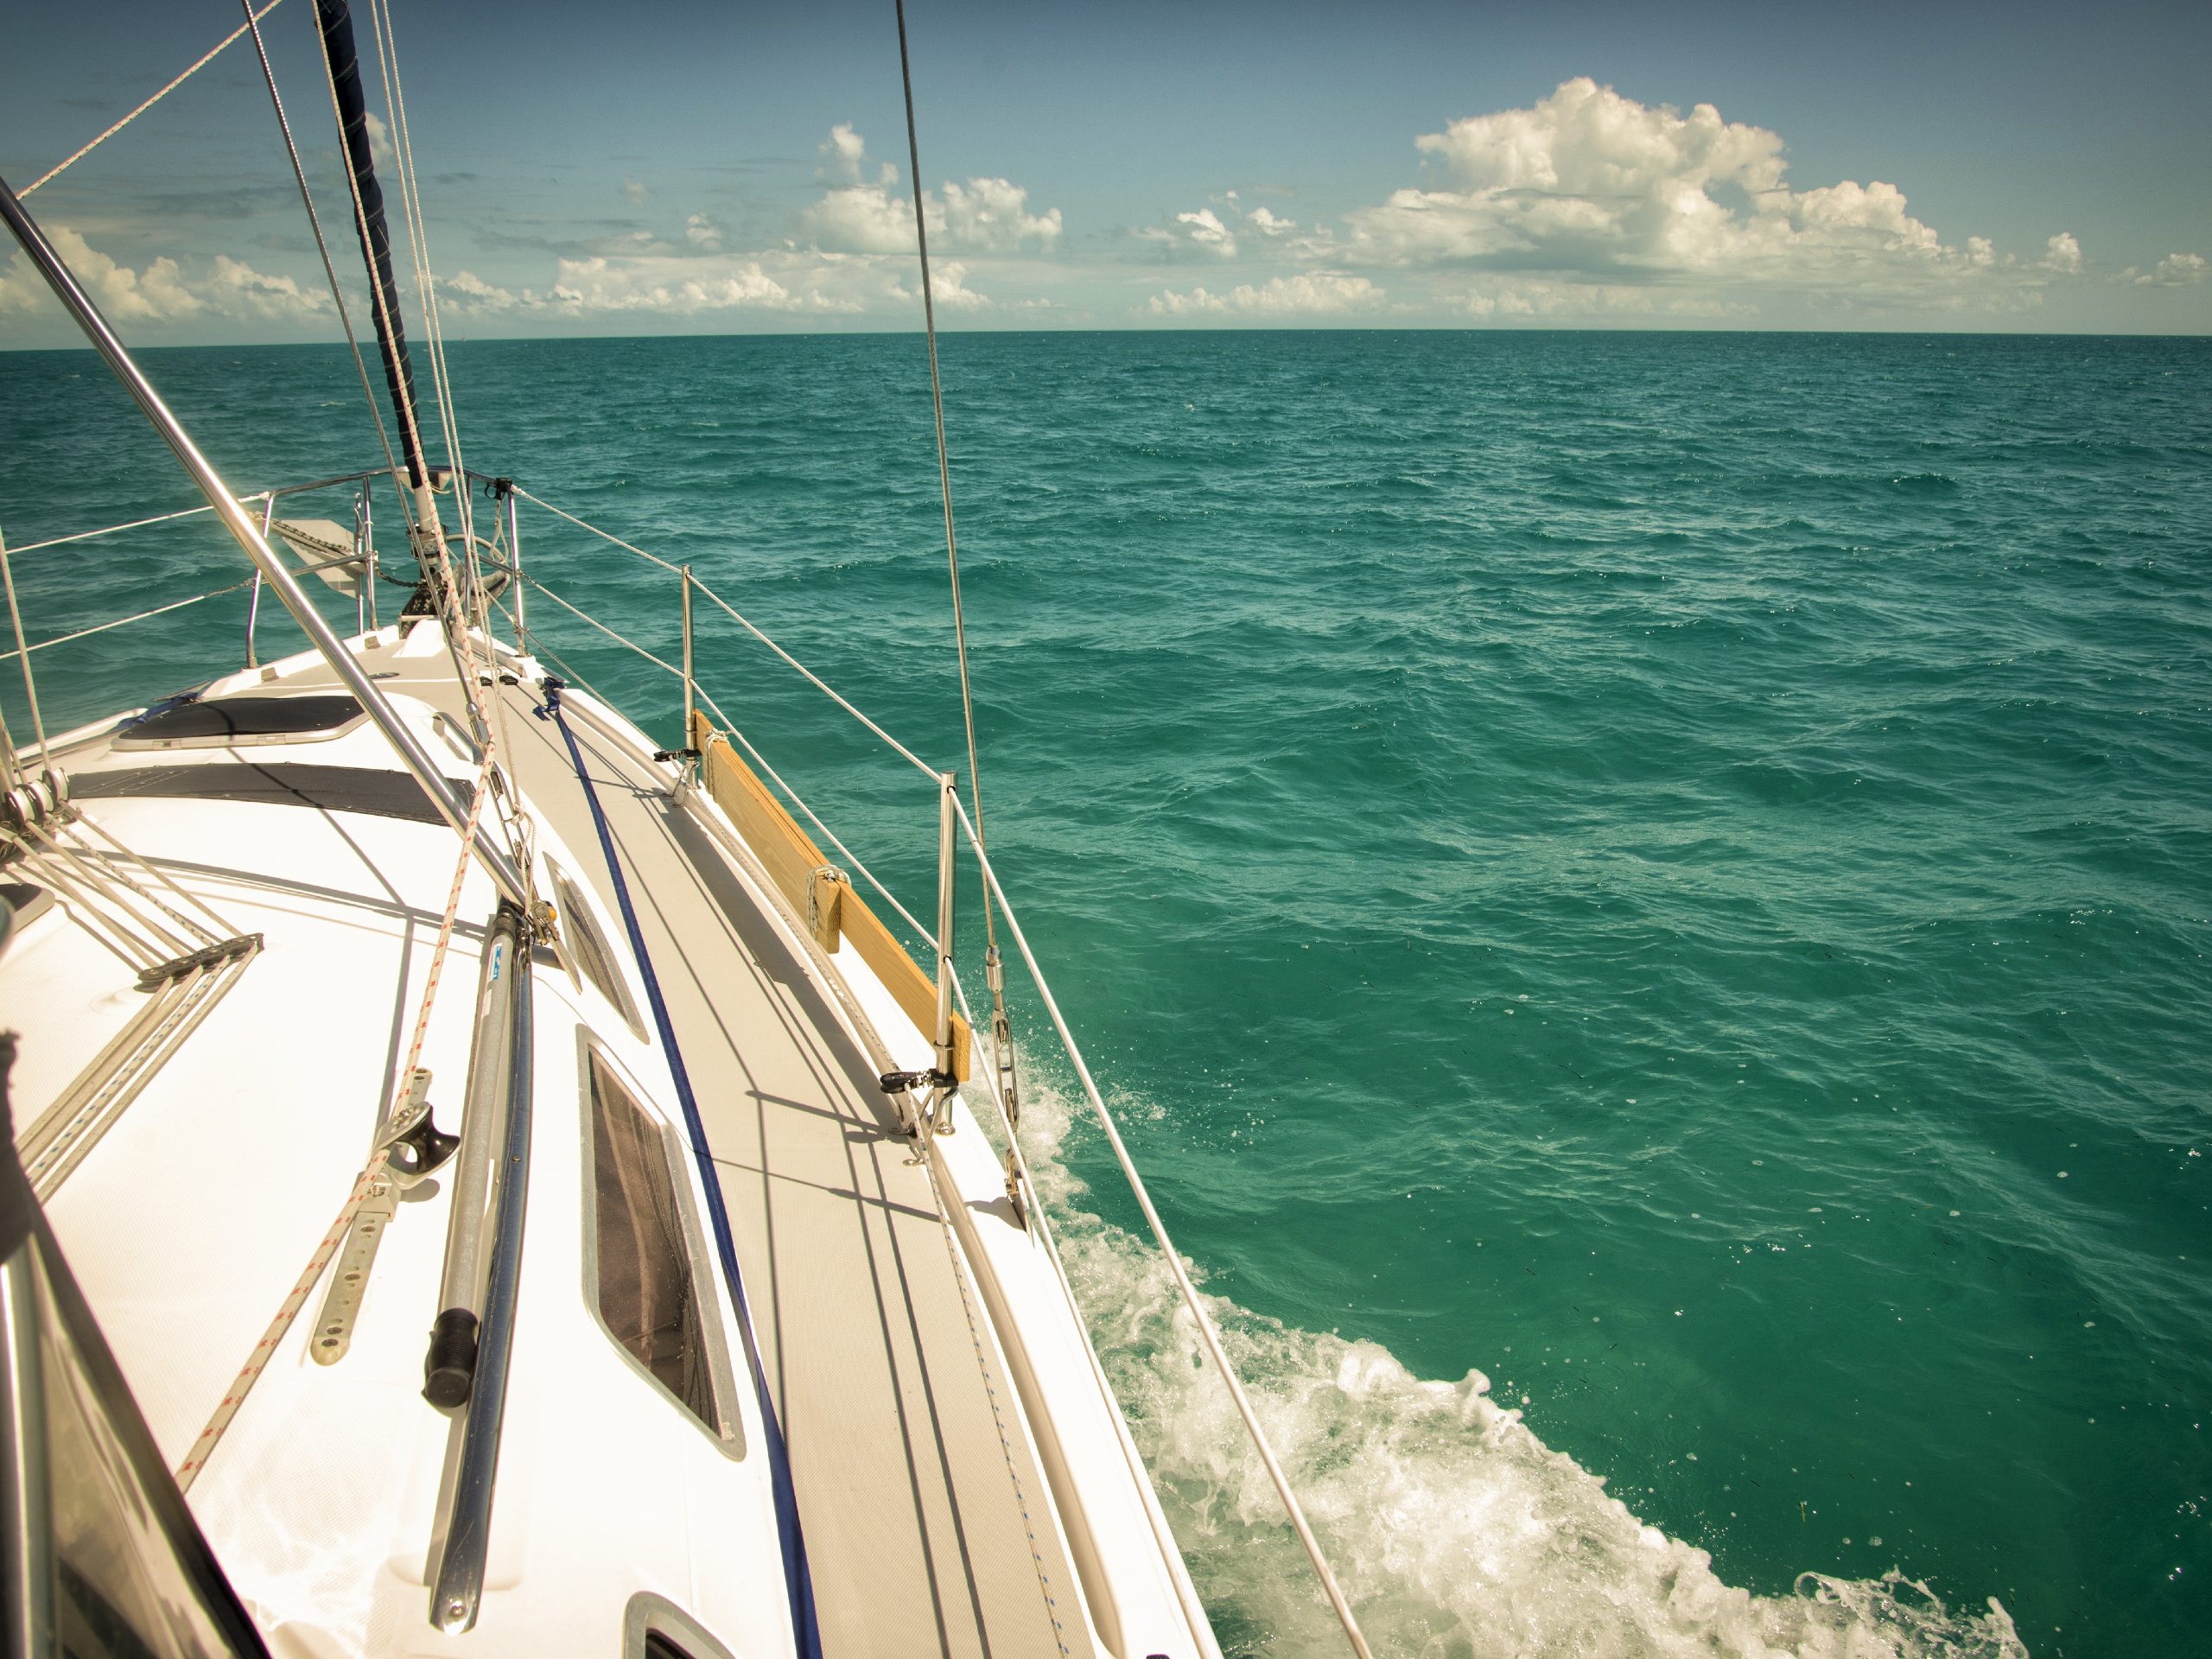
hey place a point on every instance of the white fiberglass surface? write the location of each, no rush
(195, 1215)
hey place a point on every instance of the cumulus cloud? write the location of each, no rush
(466, 294)
(1309, 294)
(165, 291)
(683, 288)
(1532, 299)
(1200, 232)
(237, 289)
(2175, 270)
(948, 283)
(787, 281)
(1589, 183)
(985, 215)
(1268, 223)
(842, 152)
(703, 233)
(638, 191)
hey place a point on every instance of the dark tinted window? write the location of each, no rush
(219, 719)
(589, 947)
(646, 1292)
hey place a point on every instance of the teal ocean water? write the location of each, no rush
(1644, 898)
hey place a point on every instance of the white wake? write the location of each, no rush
(1458, 1533)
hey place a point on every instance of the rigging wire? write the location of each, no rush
(461, 641)
(322, 247)
(1001, 1032)
(23, 653)
(410, 434)
(55, 172)
(975, 829)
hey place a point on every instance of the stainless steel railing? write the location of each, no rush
(461, 1572)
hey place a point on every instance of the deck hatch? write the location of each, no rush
(639, 1271)
(217, 722)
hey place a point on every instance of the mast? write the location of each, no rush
(335, 20)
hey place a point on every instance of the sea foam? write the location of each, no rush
(1456, 1532)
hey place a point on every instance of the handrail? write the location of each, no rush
(947, 986)
(453, 1607)
(730, 729)
(468, 1520)
(405, 745)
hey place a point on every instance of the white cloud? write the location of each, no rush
(237, 289)
(787, 281)
(701, 232)
(860, 219)
(165, 291)
(1268, 223)
(466, 294)
(993, 216)
(1530, 299)
(985, 215)
(842, 152)
(1589, 183)
(379, 140)
(657, 283)
(1200, 232)
(2175, 270)
(638, 192)
(948, 286)
(1309, 294)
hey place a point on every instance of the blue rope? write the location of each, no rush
(797, 1581)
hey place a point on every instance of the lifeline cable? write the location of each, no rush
(798, 1584)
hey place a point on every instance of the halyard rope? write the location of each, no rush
(265, 1349)
(55, 172)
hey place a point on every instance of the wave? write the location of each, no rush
(1456, 1532)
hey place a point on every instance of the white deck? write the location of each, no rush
(965, 1484)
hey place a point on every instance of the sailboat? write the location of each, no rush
(484, 1181)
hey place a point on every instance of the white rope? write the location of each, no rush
(808, 674)
(55, 172)
(257, 1362)
(819, 684)
(1206, 1331)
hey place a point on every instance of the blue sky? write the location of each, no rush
(668, 167)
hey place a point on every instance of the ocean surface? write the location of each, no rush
(1644, 900)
